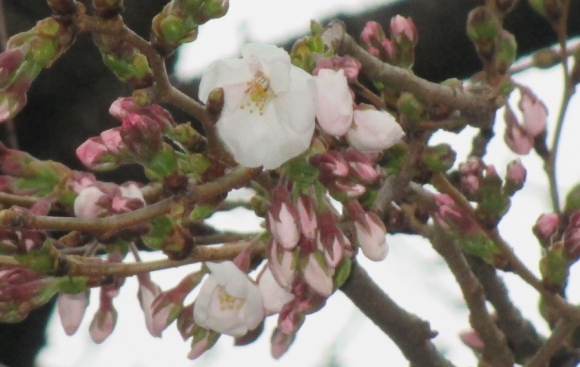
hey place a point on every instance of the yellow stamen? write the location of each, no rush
(229, 302)
(258, 94)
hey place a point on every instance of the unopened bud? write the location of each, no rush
(505, 51)
(546, 227)
(515, 177)
(483, 28)
(439, 158)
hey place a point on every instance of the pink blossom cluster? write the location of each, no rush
(519, 137)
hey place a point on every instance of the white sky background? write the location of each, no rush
(412, 274)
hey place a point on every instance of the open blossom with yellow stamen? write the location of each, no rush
(228, 302)
(269, 105)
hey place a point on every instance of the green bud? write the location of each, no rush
(42, 51)
(186, 136)
(439, 158)
(482, 29)
(505, 51)
(175, 30)
(342, 272)
(480, 245)
(554, 267)
(201, 212)
(572, 202)
(411, 108)
(162, 164)
(545, 58)
(160, 228)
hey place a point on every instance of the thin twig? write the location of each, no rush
(563, 328)
(18, 219)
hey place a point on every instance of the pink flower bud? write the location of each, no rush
(128, 198)
(283, 219)
(317, 274)
(91, 203)
(370, 236)
(571, 238)
(280, 343)
(148, 292)
(10, 60)
(71, 310)
(331, 239)
(141, 135)
(290, 319)
(11, 102)
(535, 112)
(546, 227)
(349, 65)
(404, 30)
(361, 166)
(281, 264)
(334, 111)
(123, 107)
(330, 163)
(472, 339)
(373, 130)
(516, 137)
(273, 295)
(112, 140)
(515, 176)
(94, 154)
(307, 216)
(105, 318)
(372, 34)
(202, 340)
(450, 216)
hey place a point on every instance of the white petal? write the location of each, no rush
(221, 73)
(335, 110)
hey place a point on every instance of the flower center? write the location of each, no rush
(229, 302)
(258, 94)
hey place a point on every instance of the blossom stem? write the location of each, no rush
(568, 92)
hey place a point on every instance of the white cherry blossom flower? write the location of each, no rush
(269, 105)
(228, 301)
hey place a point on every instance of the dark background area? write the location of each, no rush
(69, 102)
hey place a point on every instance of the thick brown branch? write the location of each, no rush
(482, 106)
(411, 334)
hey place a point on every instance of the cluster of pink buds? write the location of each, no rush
(345, 174)
(29, 239)
(98, 199)
(399, 49)
(26, 54)
(519, 137)
(366, 128)
(21, 291)
(139, 137)
(477, 179)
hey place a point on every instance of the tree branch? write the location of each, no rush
(411, 334)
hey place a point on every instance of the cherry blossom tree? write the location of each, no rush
(333, 139)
